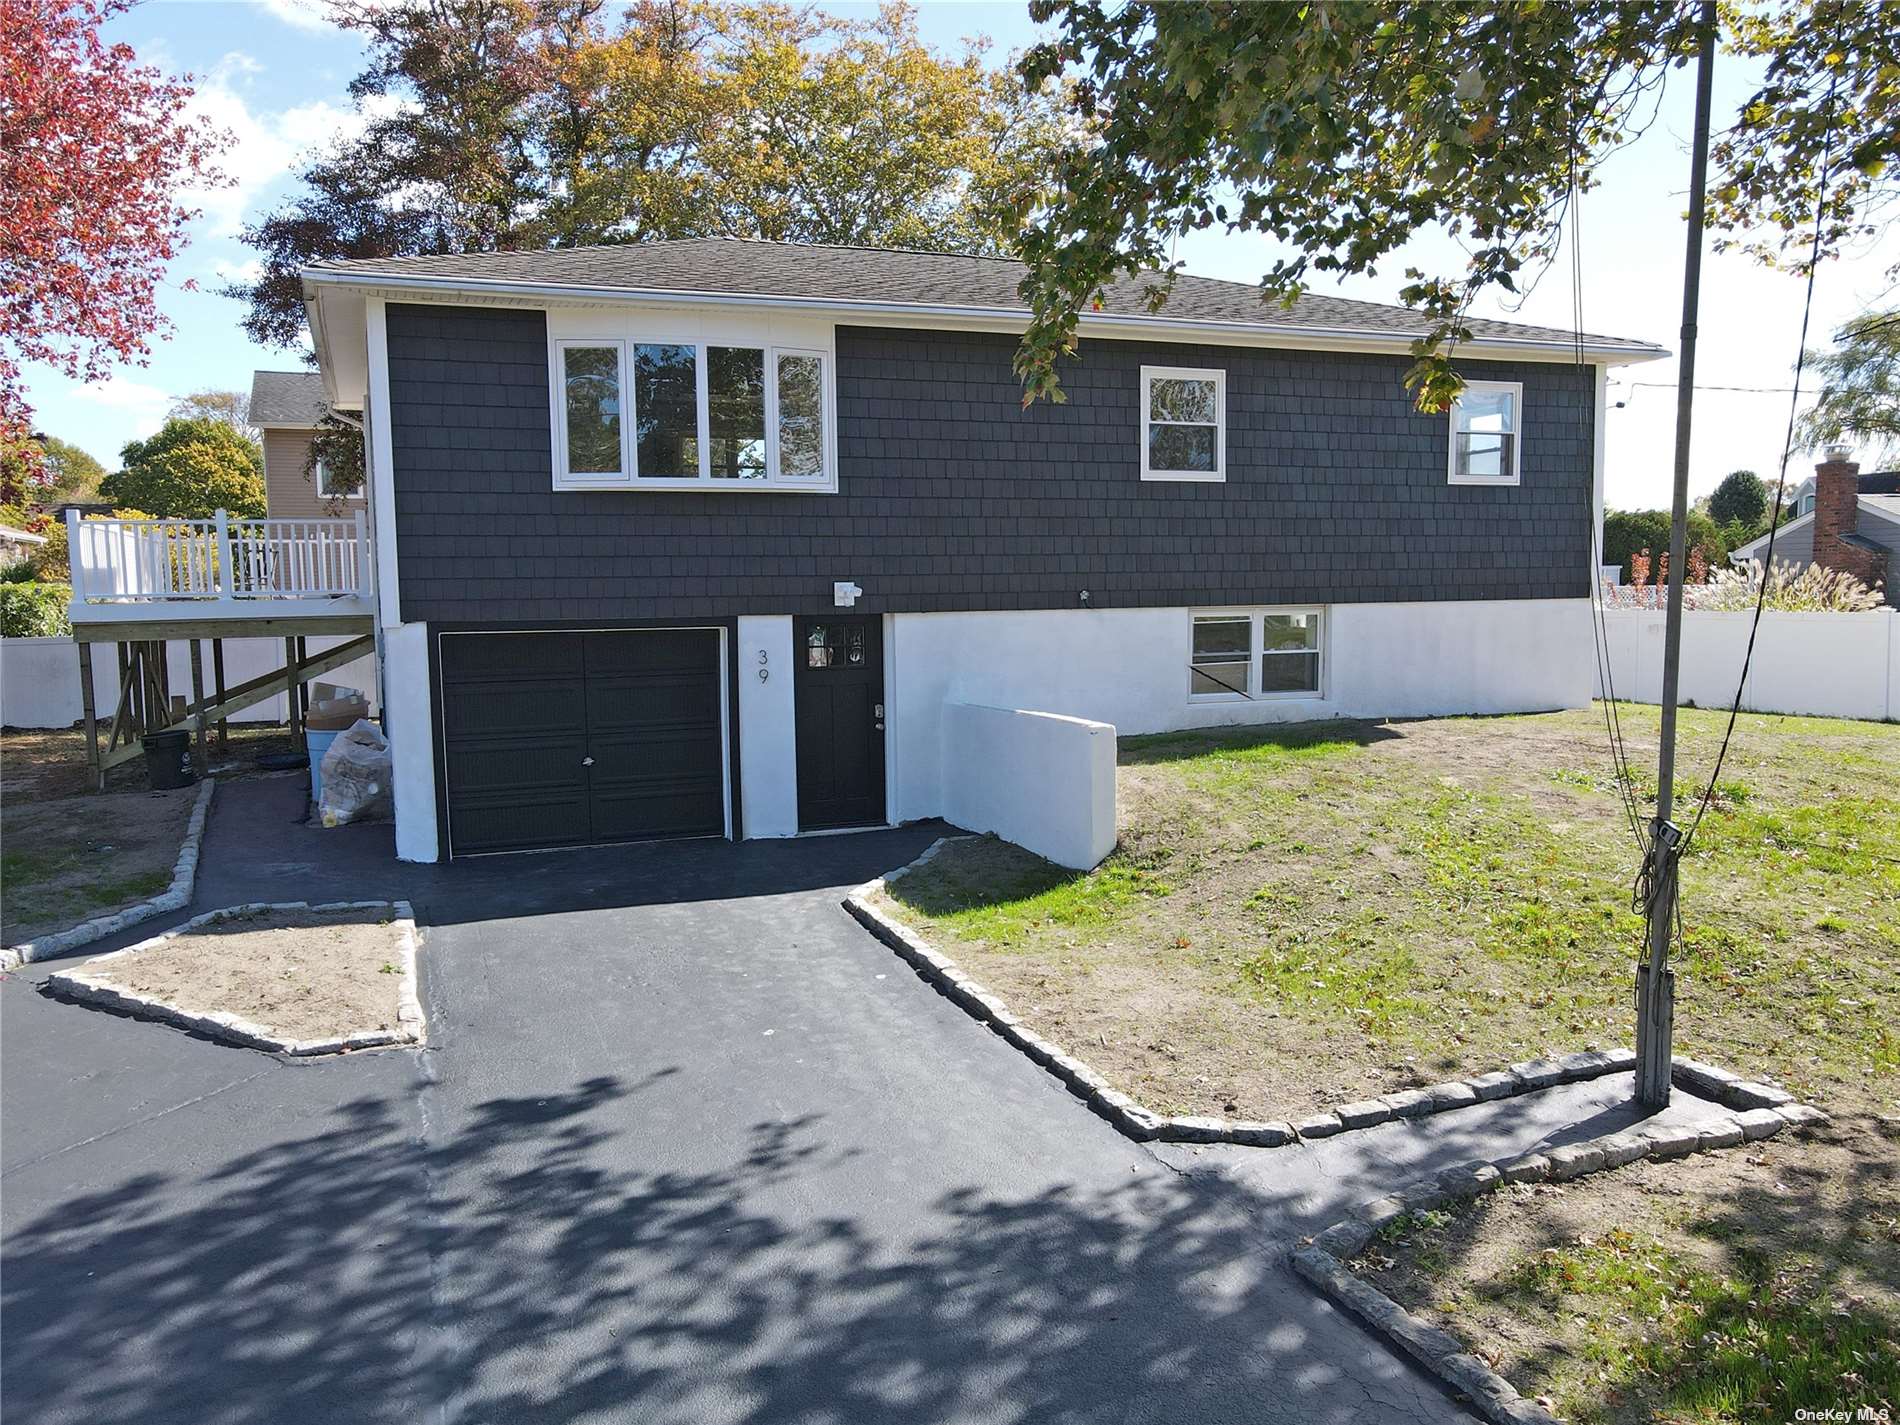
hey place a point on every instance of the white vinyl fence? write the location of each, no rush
(1822, 665)
(39, 677)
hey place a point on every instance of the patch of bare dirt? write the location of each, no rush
(302, 975)
(66, 861)
(44, 763)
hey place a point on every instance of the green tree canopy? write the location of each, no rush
(191, 469)
(1741, 499)
(1630, 532)
(562, 122)
(1342, 130)
(1860, 386)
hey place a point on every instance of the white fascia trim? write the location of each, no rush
(986, 318)
(382, 468)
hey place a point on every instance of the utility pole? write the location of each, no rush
(1655, 981)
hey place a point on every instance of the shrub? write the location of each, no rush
(1812, 590)
(35, 610)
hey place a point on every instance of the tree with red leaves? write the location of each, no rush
(96, 153)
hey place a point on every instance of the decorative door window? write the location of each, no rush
(830, 645)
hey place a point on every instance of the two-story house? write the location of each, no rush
(286, 408)
(698, 537)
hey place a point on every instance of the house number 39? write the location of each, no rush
(765, 673)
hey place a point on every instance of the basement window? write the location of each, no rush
(1486, 422)
(1246, 656)
(1222, 657)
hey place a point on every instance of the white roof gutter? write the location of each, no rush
(994, 318)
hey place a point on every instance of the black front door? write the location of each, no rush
(839, 686)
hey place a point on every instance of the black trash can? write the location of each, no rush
(168, 759)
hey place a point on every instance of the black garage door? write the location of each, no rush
(567, 739)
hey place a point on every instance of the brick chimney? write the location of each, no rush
(1836, 513)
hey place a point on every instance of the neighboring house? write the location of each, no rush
(700, 537)
(287, 406)
(1851, 522)
(1801, 502)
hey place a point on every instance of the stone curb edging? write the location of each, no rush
(175, 897)
(1145, 1125)
(411, 1027)
(1756, 1111)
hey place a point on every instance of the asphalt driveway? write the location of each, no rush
(686, 1146)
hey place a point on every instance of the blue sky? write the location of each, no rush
(276, 75)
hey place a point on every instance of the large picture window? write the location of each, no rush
(1183, 423)
(1246, 655)
(1486, 422)
(685, 415)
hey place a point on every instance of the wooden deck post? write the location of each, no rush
(203, 740)
(217, 679)
(292, 705)
(92, 716)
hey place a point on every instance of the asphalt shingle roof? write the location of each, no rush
(746, 267)
(286, 398)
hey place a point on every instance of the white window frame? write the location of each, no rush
(629, 477)
(1149, 375)
(323, 494)
(1516, 390)
(557, 393)
(1257, 650)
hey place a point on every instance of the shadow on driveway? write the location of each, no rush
(306, 1281)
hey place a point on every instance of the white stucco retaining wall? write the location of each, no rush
(768, 750)
(1129, 668)
(1043, 781)
(1822, 665)
(39, 677)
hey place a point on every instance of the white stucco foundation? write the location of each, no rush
(768, 751)
(409, 720)
(1129, 667)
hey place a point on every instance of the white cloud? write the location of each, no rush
(264, 147)
(226, 271)
(140, 402)
(298, 14)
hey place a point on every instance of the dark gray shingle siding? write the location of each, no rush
(954, 497)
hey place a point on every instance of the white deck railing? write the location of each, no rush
(218, 560)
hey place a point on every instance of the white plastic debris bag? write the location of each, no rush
(355, 777)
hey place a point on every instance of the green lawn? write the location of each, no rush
(1342, 908)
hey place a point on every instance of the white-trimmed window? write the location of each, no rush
(590, 383)
(1183, 423)
(327, 489)
(1246, 655)
(1222, 656)
(1487, 422)
(673, 415)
